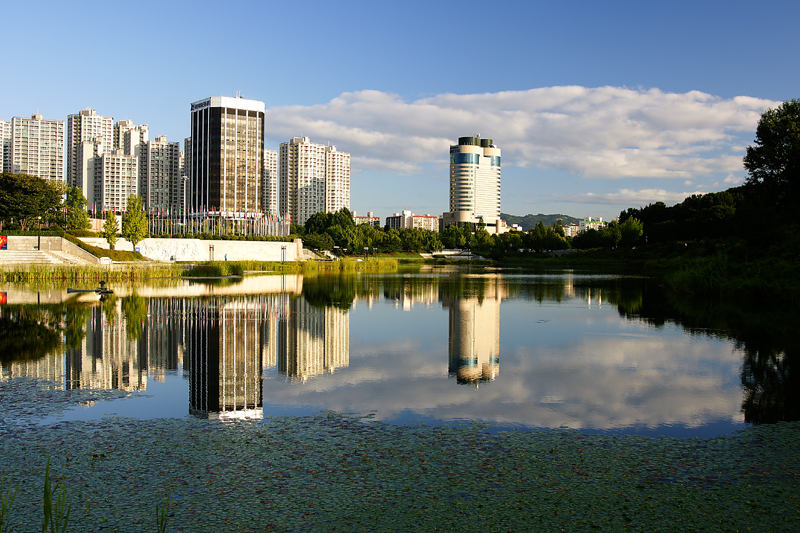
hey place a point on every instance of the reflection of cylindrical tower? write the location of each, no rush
(474, 338)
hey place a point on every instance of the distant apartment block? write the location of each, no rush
(406, 219)
(159, 173)
(37, 147)
(85, 126)
(5, 140)
(128, 136)
(116, 177)
(570, 230)
(590, 223)
(313, 178)
(370, 219)
(269, 183)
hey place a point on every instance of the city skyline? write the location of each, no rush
(597, 108)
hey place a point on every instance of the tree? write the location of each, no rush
(774, 162)
(77, 217)
(134, 221)
(24, 198)
(110, 229)
(631, 231)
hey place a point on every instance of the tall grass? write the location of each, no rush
(238, 268)
(37, 272)
(6, 501)
(56, 515)
(719, 276)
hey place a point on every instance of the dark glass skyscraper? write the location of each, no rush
(227, 156)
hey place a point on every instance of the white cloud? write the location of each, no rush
(629, 197)
(604, 132)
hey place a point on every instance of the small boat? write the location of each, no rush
(102, 290)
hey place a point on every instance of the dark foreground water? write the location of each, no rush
(593, 352)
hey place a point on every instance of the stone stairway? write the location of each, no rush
(30, 257)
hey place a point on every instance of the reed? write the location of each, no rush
(56, 515)
(36, 272)
(162, 513)
(6, 501)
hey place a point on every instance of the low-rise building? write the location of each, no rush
(407, 219)
(370, 219)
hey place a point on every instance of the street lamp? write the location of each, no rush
(365, 252)
(39, 239)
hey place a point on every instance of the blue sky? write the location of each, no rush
(597, 106)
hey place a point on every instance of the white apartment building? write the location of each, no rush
(86, 125)
(116, 176)
(5, 140)
(159, 172)
(407, 219)
(313, 178)
(370, 219)
(475, 184)
(37, 147)
(269, 183)
(590, 223)
(127, 136)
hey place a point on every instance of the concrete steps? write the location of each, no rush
(30, 257)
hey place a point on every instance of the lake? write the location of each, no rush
(508, 348)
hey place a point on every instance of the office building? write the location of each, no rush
(85, 126)
(269, 183)
(37, 147)
(226, 155)
(313, 178)
(475, 184)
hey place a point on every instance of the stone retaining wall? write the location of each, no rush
(202, 250)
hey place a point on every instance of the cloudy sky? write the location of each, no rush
(597, 106)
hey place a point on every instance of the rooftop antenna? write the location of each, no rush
(239, 94)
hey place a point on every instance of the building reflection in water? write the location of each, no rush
(311, 340)
(225, 337)
(106, 357)
(474, 334)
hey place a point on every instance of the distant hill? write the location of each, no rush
(529, 221)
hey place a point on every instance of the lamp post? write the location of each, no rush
(39, 238)
(365, 253)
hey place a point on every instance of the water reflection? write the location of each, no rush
(474, 334)
(589, 351)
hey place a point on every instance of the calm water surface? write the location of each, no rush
(511, 349)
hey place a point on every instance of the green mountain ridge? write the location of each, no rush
(528, 222)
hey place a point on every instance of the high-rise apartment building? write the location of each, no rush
(128, 136)
(37, 147)
(159, 174)
(226, 155)
(116, 177)
(5, 140)
(269, 183)
(87, 125)
(475, 184)
(313, 178)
